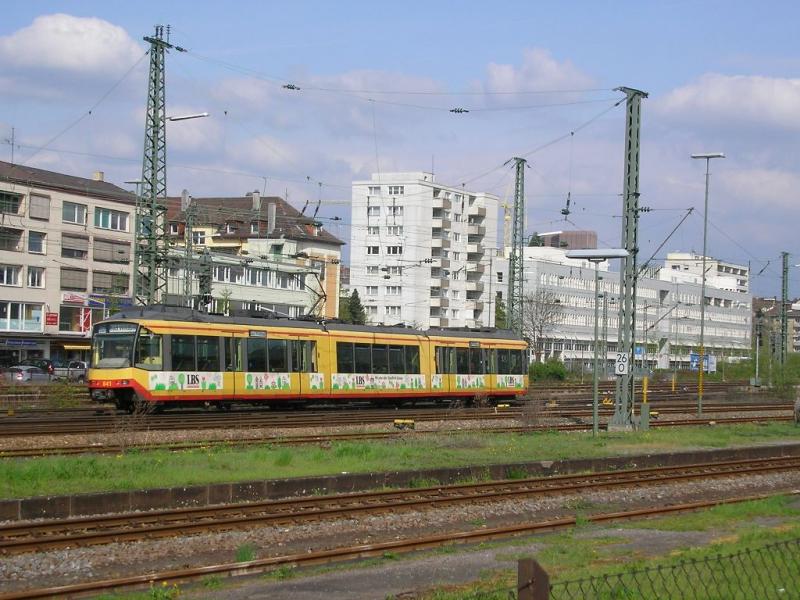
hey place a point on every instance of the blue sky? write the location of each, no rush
(721, 76)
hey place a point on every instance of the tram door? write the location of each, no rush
(234, 364)
(304, 376)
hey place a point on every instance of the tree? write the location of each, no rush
(358, 315)
(344, 308)
(351, 310)
(541, 310)
(500, 314)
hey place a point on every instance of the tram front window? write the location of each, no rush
(112, 345)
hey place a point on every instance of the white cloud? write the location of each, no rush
(539, 71)
(75, 45)
(739, 99)
(759, 188)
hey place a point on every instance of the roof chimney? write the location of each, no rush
(185, 198)
(99, 176)
(271, 211)
(256, 196)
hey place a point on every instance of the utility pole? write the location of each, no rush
(604, 339)
(150, 276)
(516, 259)
(188, 236)
(628, 274)
(784, 312)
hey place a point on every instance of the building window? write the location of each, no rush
(373, 230)
(9, 203)
(9, 275)
(394, 250)
(105, 218)
(373, 249)
(393, 290)
(456, 255)
(222, 274)
(231, 228)
(36, 242)
(499, 277)
(73, 213)
(173, 228)
(373, 211)
(374, 190)
(74, 279)
(392, 311)
(395, 230)
(395, 211)
(456, 237)
(39, 207)
(254, 227)
(373, 270)
(371, 311)
(397, 190)
(11, 239)
(73, 246)
(455, 294)
(35, 277)
(199, 237)
(372, 290)
(109, 283)
(19, 316)
(111, 251)
(396, 270)
(74, 318)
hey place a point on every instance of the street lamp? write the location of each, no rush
(596, 256)
(701, 365)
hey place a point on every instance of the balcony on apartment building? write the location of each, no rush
(439, 221)
(474, 286)
(440, 201)
(475, 229)
(479, 211)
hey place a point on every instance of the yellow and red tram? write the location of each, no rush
(175, 356)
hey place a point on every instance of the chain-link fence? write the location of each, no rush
(770, 571)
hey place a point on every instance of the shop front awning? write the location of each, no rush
(77, 346)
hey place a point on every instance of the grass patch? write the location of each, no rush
(567, 556)
(245, 553)
(158, 468)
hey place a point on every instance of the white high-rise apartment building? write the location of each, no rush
(421, 252)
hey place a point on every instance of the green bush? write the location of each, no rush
(552, 370)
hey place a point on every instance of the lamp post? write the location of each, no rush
(701, 364)
(596, 256)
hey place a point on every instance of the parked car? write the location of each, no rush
(26, 374)
(45, 364)
(73, 370)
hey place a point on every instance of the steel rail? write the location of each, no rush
(365, 550)
(100, 448)
(49, 535)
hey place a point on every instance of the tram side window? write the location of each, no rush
(397, 360)
(257, 355)
(462, 361)
(362, 358)
(234, 354)
(476, 366)
(183, 357)
(304, 356)
(412, 359)
(278, 358)
(344, 357)
(504, 361)
(515, 362)
(443, 359)
(380, 359)
(208, 358)
(148, 353)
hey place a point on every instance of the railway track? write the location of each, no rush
(82, 424)
(100, 448)
(567, 483)
(51, 535)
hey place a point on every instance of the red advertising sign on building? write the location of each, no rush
(86, 319)
(51, 318)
